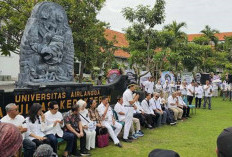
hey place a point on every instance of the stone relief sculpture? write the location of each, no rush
(46, 50)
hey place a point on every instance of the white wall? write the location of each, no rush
(9, 65)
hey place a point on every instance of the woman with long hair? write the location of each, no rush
(37, 125)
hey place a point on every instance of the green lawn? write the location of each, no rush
(195, 137)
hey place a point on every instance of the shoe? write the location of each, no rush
(189, 116)
(172, 124)
(131, 138)
(149, 126)
(118, 145)
(139, 134)
(85, 153)
(179, 118)
(76, 154)
(134, 136)
(126, 140)
(210, 109)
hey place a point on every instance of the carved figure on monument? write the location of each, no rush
(46, 50)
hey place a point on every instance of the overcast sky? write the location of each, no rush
(196, 13)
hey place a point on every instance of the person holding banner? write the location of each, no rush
(208, 94)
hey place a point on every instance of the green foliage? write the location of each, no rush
(88, 31)
(202, 40)
(13, 17)
(210, 34)
(143, 38)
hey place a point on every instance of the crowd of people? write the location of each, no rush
(162, 105)
(183, 90)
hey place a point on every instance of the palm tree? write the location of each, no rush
(179, 37)
(210, 33)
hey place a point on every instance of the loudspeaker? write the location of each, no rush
(204, 77)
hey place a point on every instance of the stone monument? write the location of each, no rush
(46, 50)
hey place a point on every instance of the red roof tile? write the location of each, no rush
(120, 42)
(220, 36)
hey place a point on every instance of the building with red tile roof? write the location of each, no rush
(221, 36)
(120, 43)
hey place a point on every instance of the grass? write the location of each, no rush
(195, 137)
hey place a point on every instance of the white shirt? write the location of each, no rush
(120, 108)
(181, 101)
(183, 90)
(172, 88)
(127, 96)
(150, 88)
(139, 108)
(51, 118)
(109, 115)
(36, 128)
(171, 100)
(190, 87)
(146, 84)
(19, 120)
(199, 92)
(158, 87)
(166, 87)
(85, 120)
(207, 91)
(147, 108)
(155, 103)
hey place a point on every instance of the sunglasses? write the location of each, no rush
(55, 108)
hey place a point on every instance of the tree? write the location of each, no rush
(179, 38)
(13, 18)
(88, 31)
(210, 34)
(141, 35)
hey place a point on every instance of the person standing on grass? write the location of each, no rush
(190, 92)
(198, 94)
(128, 103)
(208, 94)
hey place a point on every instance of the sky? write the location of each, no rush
(195, 13)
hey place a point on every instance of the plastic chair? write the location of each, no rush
(192, 107)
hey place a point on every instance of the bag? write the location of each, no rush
(102, 139)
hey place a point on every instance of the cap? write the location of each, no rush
(163, 153)
(224, 143)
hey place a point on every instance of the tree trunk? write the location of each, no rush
(81, 72)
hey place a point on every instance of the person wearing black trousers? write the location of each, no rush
(190, 92)
(198, 94)
(183, 106)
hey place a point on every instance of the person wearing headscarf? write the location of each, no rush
(10, 139)
(88, 125)
(44, 150)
